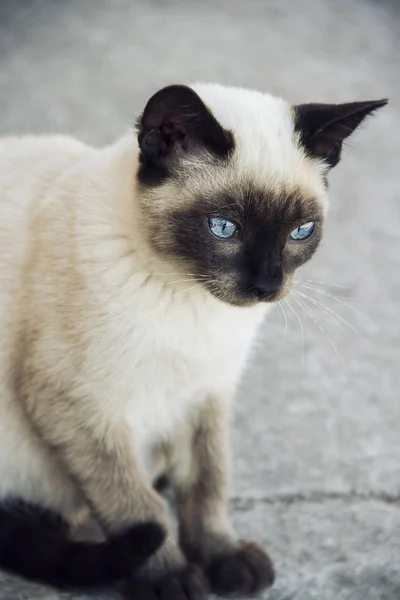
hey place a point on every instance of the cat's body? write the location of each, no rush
(156, 349)
(122, 342)
(30, 166)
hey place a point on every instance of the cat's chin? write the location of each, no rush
(247, 301)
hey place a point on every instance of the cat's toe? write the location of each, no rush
(186, 584)
(246, 571)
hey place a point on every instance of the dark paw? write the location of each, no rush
(187, 584)
(146, 539)
(243, 572)
(130, 549)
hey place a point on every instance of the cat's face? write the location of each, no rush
(232, 185)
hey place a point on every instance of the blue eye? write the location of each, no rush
(222, 228)
(303, 232)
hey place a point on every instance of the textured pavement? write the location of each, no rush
(317, 430)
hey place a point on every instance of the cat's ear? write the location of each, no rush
(324, 127)
(176, 120)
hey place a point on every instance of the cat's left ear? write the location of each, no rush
(176, 122)
(324, 127)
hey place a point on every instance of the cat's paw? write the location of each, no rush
(131, 549)
(188, 583)
(245, 571)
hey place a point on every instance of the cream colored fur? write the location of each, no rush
(103, 341)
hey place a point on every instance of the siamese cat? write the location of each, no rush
(133, 280)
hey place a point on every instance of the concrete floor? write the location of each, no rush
(317, 434)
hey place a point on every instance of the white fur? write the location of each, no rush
(144, 348)
(263, 129)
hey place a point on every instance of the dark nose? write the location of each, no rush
(268, 285)
(266, 290)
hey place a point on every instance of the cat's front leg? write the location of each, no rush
(100, 457)
(233, 566)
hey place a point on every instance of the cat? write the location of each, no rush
(133, 280)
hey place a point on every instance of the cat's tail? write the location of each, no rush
(35, 544)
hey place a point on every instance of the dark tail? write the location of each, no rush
(34, 543)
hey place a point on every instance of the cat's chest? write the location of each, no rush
(177, 358)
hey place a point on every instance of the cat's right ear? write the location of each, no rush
(176, 121)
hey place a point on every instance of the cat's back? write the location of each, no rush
(30, 164)
(29, 167)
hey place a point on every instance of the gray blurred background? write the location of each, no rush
(317, 429)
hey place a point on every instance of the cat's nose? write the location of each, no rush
(266, 290)
(265, 287)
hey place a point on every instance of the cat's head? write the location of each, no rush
(232, 184)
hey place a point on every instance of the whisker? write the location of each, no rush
(286, 325)
(167, 274)
(336, 298)
(187, 290)
(312, 315)
(181, 281)
(210, 282)
(335, 321)
(335, 315)
(318, 289)
(344, 287)
(301, 328)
